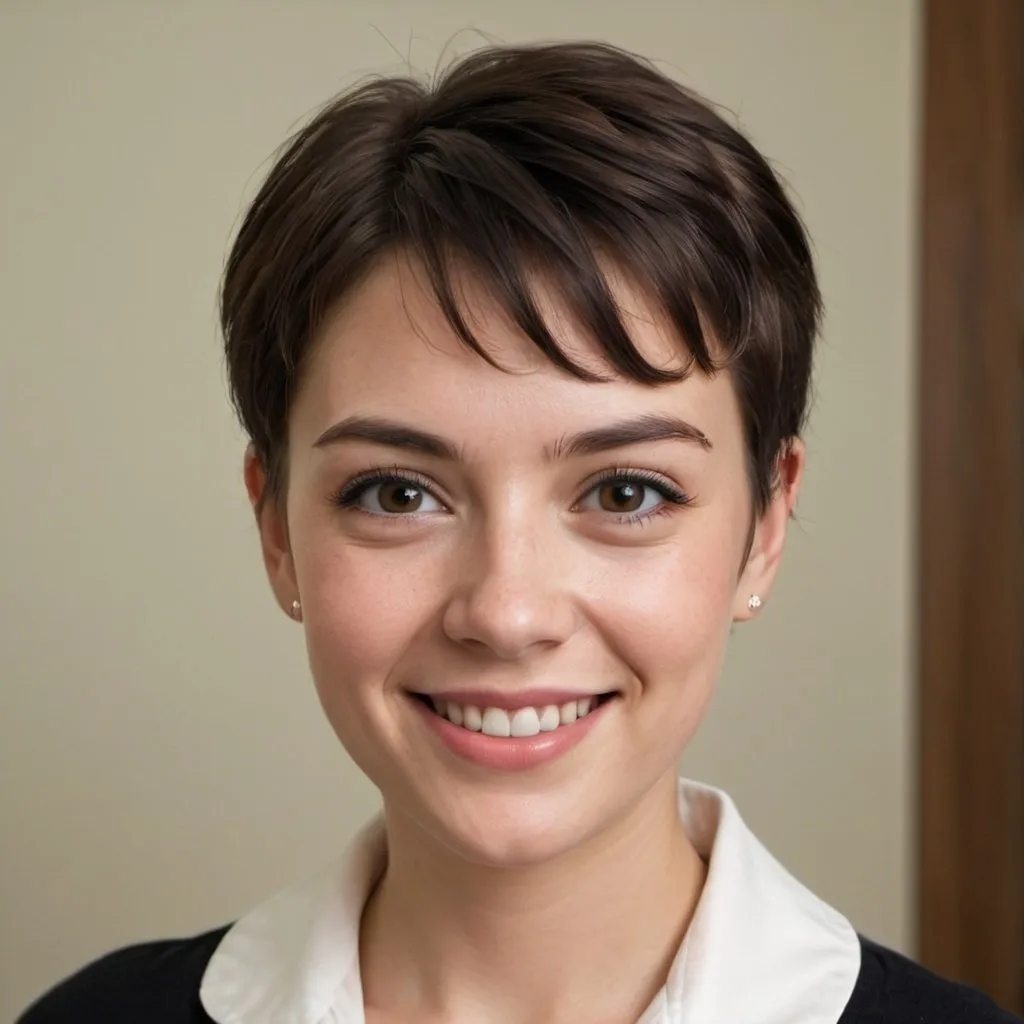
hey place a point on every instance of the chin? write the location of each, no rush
(540, 806)
(513, 832)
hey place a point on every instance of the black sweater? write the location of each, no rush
(158, 983)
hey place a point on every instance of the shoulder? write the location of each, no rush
(891, 989)
(156, 982)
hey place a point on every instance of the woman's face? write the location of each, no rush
(515, 553)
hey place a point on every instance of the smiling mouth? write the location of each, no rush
(519, 724)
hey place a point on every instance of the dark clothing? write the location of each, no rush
(158, 983)
(894, 990)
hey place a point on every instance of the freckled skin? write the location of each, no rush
(512, 572)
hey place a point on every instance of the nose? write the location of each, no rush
(510, 595)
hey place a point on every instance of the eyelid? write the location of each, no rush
(347, 495)
(351, 491)
(671, 491)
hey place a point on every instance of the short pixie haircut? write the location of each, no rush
(521, 161)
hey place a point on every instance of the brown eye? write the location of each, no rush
(397, 498)
(388, 495)
(630, 496)
(621, 496)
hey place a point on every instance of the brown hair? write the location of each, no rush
(528, 158)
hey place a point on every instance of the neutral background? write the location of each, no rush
(163, 757)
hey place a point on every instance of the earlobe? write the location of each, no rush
(273, 530)
(754, 583)
(765, 554)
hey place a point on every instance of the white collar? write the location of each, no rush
(760, 949)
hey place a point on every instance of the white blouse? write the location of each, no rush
(760, 949)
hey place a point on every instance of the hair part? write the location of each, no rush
(518, 161)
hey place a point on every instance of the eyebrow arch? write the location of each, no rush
(654, 427)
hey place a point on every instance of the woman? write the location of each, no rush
(524, 361)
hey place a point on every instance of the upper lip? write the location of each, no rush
(512, 700)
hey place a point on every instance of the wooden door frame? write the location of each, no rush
(970, 509)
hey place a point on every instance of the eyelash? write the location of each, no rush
(348, 496)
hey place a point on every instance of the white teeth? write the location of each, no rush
(519, 724)
(550, 719)
(496, 723)
(525, 723)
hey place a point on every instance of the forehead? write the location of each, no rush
(390, 349)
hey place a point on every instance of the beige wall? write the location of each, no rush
(163, 757)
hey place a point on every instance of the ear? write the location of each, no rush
(273, 527)
(762, 564)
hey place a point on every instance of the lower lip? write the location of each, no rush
(512, 755)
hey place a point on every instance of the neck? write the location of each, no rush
(589, 937)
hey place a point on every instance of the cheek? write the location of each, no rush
(366, 607)
(667, 619)
(670, 603)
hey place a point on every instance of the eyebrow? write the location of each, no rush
(392, 434)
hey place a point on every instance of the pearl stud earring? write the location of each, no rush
(754, 602)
